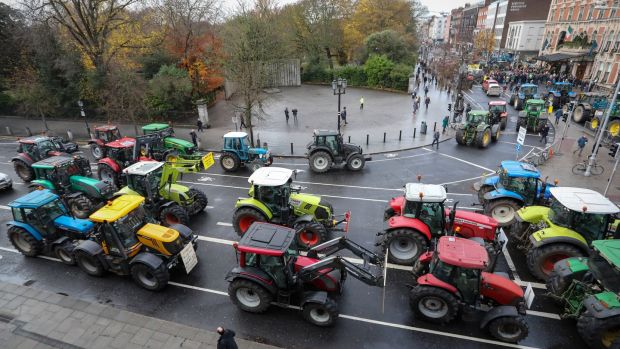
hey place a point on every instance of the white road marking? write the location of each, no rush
(225, 224)
(221, 293)
(466, 180)
(4, 207)
(290, 164)
(8, 249)
(398, 158)
(513, 143)
(210, 207)
(461, 160)
(543, 314)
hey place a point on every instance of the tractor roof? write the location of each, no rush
(462, 253)
(528, 85)
(120, 207)
(53, 162)
(106, 128)
(33, 139)
(155, 127)
(497, 103)
(270, 176)
(180, 142)
(143, 168)
(534, 101)
(492, 81)
(608, 249)
(429, 192)
(519, 169)
(34, 199)
(235, 135)
(266, 239)
(125, 142)
(576, 199)
(562, 83)
(325, 133)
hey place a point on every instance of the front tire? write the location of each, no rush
(108, 175)
(578, 114)
(96, 151)
(614, 127)
(152, 279)
(244, 217)
(89, 264)
(356, 162)
(483, 139)
(321, 314)
(25, 172)
(460, 137)
(64, 252)
(404, 246)
(540, 260)
(230, 162)
(433, 304)
(310, 234)
(24, 242)
(200, 200)
(173, 214)
(503, 211)
(81, 206)
(320, 161)
(249, 296)
(503, 123)
(510, 329)
(598, 333)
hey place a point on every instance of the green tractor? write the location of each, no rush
(68, 177)
(172, 203)
(533, 118)
(480, 128)
(158, 142)
(273, 198)
(575, 218)
(587, 289)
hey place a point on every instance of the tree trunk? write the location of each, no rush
(328, 52)
(248, 122)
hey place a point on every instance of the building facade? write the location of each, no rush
(482, 18)
(525, 37)
(501, 13)
(455, 25)
(438, 27)
(469, 21)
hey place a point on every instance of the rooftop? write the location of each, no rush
(270, 176)
(120, 207)
(325, 133)
(235, 135)
(33, 139)
(106, 128)
(34, 199)
(266, 239)
(462, 253)
(143, 168)
(125, 142)
(609, 249)
(497, 103)
(53, 161)
(519, 169)
(576, 199)
(429, 192)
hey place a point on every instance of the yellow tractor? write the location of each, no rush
(127, 242)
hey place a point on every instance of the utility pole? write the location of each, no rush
(339, 86)
(615, 152)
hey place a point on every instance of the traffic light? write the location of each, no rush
(449, 106)
(614, 151)
(564, 116)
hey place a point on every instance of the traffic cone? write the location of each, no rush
(550, 152)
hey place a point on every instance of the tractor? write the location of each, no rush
(126, 242)
(172, 203)
(560, 94)
(480, 128)
(587, 289)
(103, 135)
(515, 184)
(526, 91)
(588, 105)
(452, 279)
(498, 111)
(274, 198)
(271, 271)
(42, 225)
(159, 141)
(534, 117)
(68, 177)
(64, 145)
(237, 152)
(566, 228)
(119, 155)
(31, 150)
(328, 149)
(420, 216)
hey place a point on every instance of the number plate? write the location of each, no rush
(208, 161)
(529, 295)
(189, 258)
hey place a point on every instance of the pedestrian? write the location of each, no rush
(558, 115)
(543, 133)
(242, 123)
(294, 114)
(435, 139)
(444, 123)
(227, 339)
(199, 124)
(362, 103)
(425, 91)
(194, 136)
(427, 101)
(581, 143)
(414, 94)
(286, 114)
(343, 115)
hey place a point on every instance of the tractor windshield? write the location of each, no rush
(54, 209)
(559, 214)
(592, 226)
(535, 107)
(605, 273)
(475, 118)
(45, 146)
(441, 270)
(528, 90)
(516, 184)
(127, 226)
(498, 108)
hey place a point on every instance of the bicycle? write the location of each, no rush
(595, 170)
(538, 159)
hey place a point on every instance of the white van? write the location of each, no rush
(494, 90)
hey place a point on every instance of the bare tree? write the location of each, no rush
(124, 97)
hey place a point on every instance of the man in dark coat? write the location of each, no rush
(227, 339)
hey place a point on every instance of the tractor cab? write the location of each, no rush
(58, 170)
(158, 142)
(273, 187)
(107, 133)
(328, 149)
(476, 117)
(533, 118)
(524, 179)
(426, 203)
(330, 139)
(144, 178)
(498, 112)
(534, 107)
(121, 150)
(561, 93)
(239, 152)
(528, 91)
(164, 130)
(37, 147)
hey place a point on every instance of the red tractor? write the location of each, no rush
(419, 216)
(119, 155)
(499, 112)
(33, 149)
(104, 135)
(452, 279)
(271, 271)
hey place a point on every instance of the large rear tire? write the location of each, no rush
(244, 217)
(356, 162)
(483, 139)
(495, 136)
(230, 162)
(578, 114)
(173, 214)
(80, 206)
(598, 333)
(433, 304)
(25, 172)
(249, 296)
(460, 136)
(503, 123)
(614, 127)
(200, 199)
(540, 260)
(107, 174)
(503, 211)
(510, 329)
(320, 161)
(24, 242)
(404, 245)
(64, 252)
(518, 104)
(321, 314)
(310, 234)
(89, 264)
(152, 279)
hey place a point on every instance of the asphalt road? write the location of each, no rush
(370, 317)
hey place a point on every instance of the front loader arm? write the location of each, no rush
(362, 273)
(332, 246)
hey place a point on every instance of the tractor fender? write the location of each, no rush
(251, 202)
(410, 223)
(93, 249)
(481, 127)
(148, 259)
(73, 195)
(319, 297)
(42, 183)
(592, 304)
(501, 193)
(497, 312)
(27, 227)
(532, 214)
(432, 280)
(351, 155)
(60, 241)
(23, 157)
(185, 231)
(111, 163)
(559, 235)
(323, 148)
(254, 275)
(303, 219)
(99, 142)
(489, 180)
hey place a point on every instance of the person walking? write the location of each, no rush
(343, 115)
(558, 115)
(194, 136)
(427, 101)
(425, 90)
(199, 125)
(581, 143)
(286, 114)
(227, 339)
(242, 122)
(444, 123)
(362, 103)
(544, 132)
(435, 139)
(294, 114)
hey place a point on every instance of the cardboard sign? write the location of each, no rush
(208, 161)
(189, 258)
(521, 136)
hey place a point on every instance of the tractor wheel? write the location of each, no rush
(108, 175)
(173, 214)
(230, 162)
(503, 210)
(614, 127)
(404, 245)
(510, 329)
(310, 234)
(320, 161)
(81, 206)
(556, 284)
(512, 100)
(483, 138)
(255, 165)
(503, 123)
(150, 278)
(595, 123)
(200, 199)
(483, 190)
(321, 314)
(540, 260)
(64, 252)
(356, 162)
(25, 172)
(460, 137)
(244, 217)
(578, 114)
(495, 137)
(518, 104)
(518, 124)
(24, 242)
(249, 296)
(433, 304)
(90, 264)
(96, 151)
(598, 333)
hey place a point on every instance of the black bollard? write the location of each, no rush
(28, 132)
(349, 139)
(367, 137)
(414, 132)
(435, 126)
(291, 148)
(383, 137)
(400, 135)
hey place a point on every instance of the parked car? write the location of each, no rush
(494, 90)
(6, 182)
(487, 82)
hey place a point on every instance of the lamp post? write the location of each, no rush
(339, 86)
(81, 104)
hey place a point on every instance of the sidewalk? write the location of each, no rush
(32, 318)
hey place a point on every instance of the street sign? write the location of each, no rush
(518, 147)
(529, 295)
(521, 136)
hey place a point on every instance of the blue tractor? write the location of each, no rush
(561, 93)
(42, 225)
(526, 91)
(515, 184)
(237, 152)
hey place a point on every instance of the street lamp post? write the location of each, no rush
(81, 104)
(339, 86)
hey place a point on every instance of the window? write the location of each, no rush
(580, 15)
(570, 14)
(590, 10)
(561, 15)
(600, 14)
(610, 38)
(606, 76)
(612, 13)
(17, 214)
